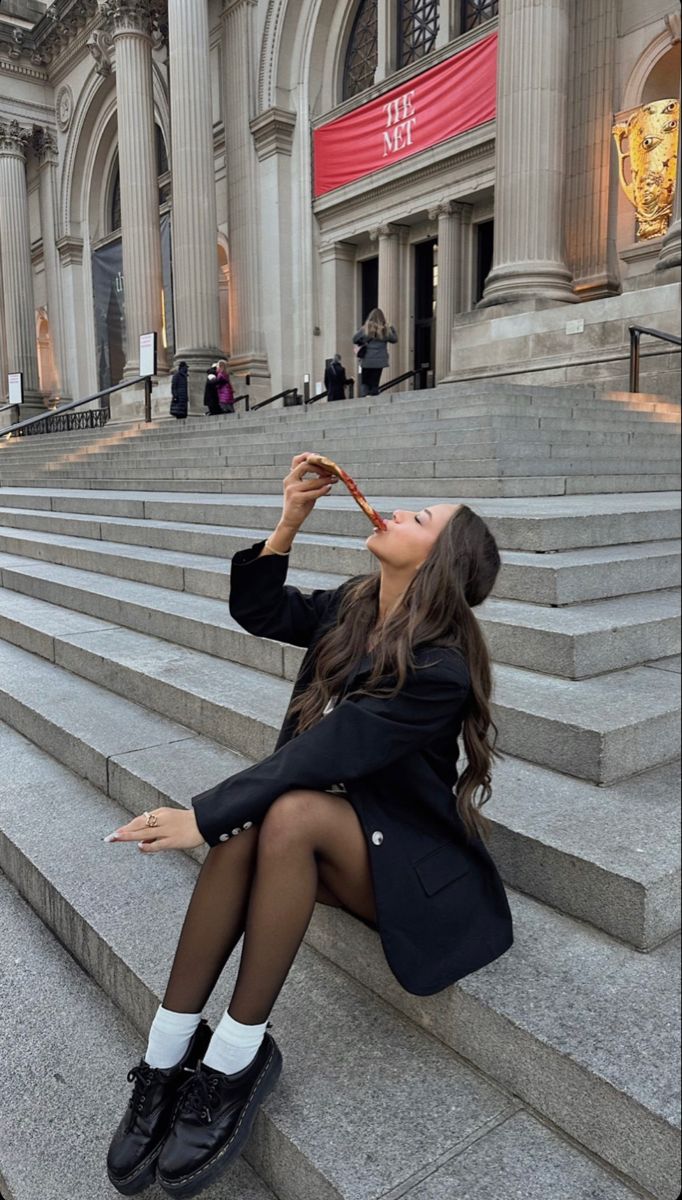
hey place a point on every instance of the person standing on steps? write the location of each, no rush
(372, 350)
(224, 387)
(180, 393)
(361, 806)
(211, 392)
(335, 380)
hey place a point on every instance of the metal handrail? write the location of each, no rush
(57, 412)
(399, 379)
(4, 407)
(319, 396)
(636, 332)
(292, 391)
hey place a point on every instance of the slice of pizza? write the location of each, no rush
(326, 464)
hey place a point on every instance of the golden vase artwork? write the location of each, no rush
(652, 133)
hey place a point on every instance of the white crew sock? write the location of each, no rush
(233, 1047)
(169, 1037)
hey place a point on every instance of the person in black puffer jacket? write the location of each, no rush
(180, 393)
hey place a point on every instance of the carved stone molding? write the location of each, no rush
(63, 107)
(101, 47)
(14, 138)
(70, 251)
(273, 132)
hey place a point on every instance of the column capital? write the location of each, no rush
(273, 132)
(129, 17)
(70, 251)
(45, 146)
(338, 252)
(385, 231)
(14, 139)
(450, 208)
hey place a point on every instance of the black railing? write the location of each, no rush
(289, 394)
(350, 393)
(636, 332)
(413, 375)
(64, 419)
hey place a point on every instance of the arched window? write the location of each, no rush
(477, 12)
(115, 211)
(163, 175)
(417, 29)
(361, 55)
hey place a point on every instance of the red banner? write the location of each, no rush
(446, 100)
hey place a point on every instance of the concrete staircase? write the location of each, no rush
(125, 684)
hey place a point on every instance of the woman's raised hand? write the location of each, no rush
(301, 494)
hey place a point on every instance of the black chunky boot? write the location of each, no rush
(213, 1121)
(136, 1145)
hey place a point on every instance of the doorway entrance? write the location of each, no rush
(425, 302)
(369, 286)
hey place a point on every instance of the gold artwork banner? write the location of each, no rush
(647, 146)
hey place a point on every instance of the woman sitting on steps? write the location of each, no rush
(360, 806)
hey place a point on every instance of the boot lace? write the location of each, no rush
(142, 1077)
(200, 1094)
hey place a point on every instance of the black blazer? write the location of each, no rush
(441, 906)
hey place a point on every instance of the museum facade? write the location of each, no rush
(252, 176)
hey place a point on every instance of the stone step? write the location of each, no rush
(602, 729)
(555, 1046)
(534, 524)
(382, 1143)
(64, 1083)
(339, 444)
(559, 578)
(579, 1026)
(585, 640)
(428, 464)
(606, 855)
(473, 487)
(588, 640)
(335, 515)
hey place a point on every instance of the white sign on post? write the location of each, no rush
(15, 381)
(147, 354)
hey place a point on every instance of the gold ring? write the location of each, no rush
(151, 819)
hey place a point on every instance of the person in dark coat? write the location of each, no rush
(361, 806)
(180, 392)
(211, 400)
(335, 380)
(372, 342)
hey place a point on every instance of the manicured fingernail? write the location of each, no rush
(110, 838)
(140, 845)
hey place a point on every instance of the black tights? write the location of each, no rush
(264, 884)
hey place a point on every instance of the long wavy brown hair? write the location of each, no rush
(376, 325)
(435, 609)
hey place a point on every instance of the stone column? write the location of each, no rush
(671, 249)
(591, 200)
(195, 220)
(273, 139)
(454, 228)
(46, 149)
(248, 353)
(530, 150)
(389, 242)
(3, 348)
(337, 288)
(17, 269)
(387, 39)
(130, 22)
(76, 381)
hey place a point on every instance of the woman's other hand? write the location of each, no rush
(161, 829)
